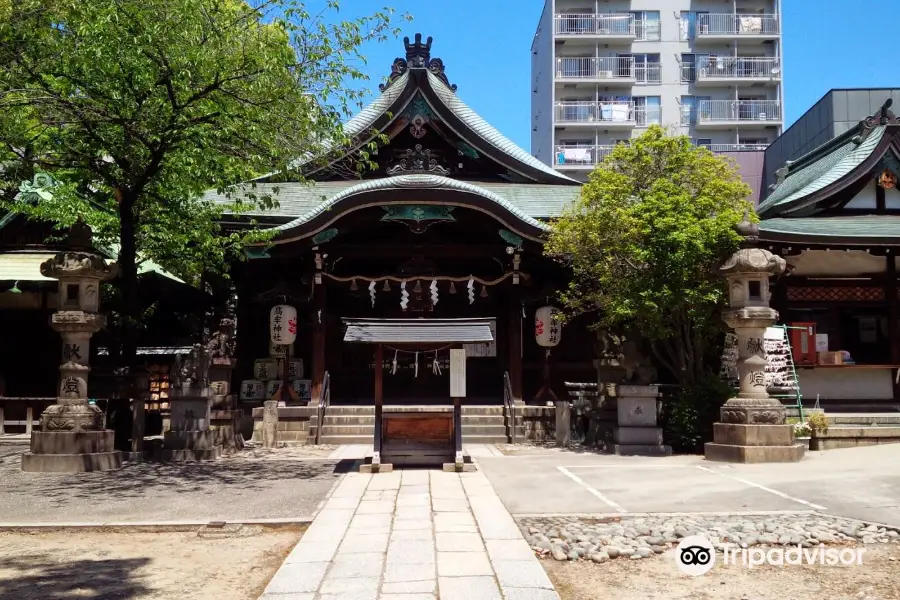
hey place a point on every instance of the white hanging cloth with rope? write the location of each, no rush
(435, 365)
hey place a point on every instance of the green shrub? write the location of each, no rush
(689, 414)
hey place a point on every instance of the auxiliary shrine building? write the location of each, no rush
(438, 247)
(834, 215)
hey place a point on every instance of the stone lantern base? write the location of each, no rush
(753, 431)
(76, 449)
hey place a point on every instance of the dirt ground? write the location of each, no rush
(235, 563)
(658, 578)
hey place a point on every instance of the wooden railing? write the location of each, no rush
(324, 403)
(30, 403)
(510, 402)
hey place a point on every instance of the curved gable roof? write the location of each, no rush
(341, 203)
(486, 133)
(815, 176)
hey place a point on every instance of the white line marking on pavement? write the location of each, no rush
(730, 513)
(580, 482)
(764, 488)
(628, 466)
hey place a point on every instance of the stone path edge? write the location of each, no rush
(305, 520)
(760, 513)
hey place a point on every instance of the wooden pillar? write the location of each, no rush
(29, 419)
(318, 350)
(890, 296)
(515, 348)
(2, 421)
(379, 401)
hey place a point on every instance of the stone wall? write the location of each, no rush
(293, 424)
(539, 423)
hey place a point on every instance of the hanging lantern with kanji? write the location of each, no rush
(547, 326)
(283, 324)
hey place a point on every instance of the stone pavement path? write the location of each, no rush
(411, 535)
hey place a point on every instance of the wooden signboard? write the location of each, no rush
(457, 373)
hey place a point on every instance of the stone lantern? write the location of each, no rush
(71, 437)
(752, 427)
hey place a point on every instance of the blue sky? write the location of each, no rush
(486, 47)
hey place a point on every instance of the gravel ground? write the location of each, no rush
(659, 578)
(246, 485)
(66, 564)
(573, 538)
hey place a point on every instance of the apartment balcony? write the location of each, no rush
(725, 114)
(724, 27)
(609, 115)
(605, 69)
(580, 157)
(593, 27)
(728, 70)
(736, 147)
(647, 72)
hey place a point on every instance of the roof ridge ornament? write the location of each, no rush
(418, 56)
(884, 116)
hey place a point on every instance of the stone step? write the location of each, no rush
(841, 406)
(342, 421)
(843, 436)
(348, 430)
(337, 440)
(344, 409)
(863, 419)
(487, 439)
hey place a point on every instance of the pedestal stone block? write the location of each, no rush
(72, 442)
(636, 432)
(753, 454)
(753, 435)
(641, 449)
(639, 435)
(190, 437)
(71, 463)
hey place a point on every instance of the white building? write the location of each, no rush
(602, 70)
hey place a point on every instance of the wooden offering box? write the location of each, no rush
(417, 438)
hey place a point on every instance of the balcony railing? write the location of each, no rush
(580, 155)
(729, 67)
(615, 25)
(735, 147)
(648, 72)
(603, 67)
(731, 24)
(578, 111)
(647, 31)
(712, 111)
(645, 116)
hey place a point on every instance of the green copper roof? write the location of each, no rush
(819, 173)
(850, 230)
(367, 117)
(539, 201)
(486, 131)
(413, 181)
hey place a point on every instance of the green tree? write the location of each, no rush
(644, 242)
(136, 107)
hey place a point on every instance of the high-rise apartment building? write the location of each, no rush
(603, 70)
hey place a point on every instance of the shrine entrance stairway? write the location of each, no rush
(356, 424)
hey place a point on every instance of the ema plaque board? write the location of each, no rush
(457, 373)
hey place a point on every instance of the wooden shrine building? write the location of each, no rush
(439, 246)
(834, 215)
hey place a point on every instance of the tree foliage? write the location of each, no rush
(644, 242)
(136, 107)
